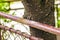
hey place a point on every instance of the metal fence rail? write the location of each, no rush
(33, 24)
(20, 33)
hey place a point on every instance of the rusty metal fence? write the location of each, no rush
(12, 34)
(33, 24)
(7, 35)
(17, 33)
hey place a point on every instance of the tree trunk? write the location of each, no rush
(40, 11)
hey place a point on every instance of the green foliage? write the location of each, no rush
(58, 23)
(2, 0)
(58, 20)
(4, 7)
(58, 12)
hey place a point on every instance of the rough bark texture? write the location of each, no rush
(40, 11)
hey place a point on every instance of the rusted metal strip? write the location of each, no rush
(20, 33)
(33, 24)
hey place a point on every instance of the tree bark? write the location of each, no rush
(40, 11)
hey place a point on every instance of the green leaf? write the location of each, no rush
(4, 6)
(58, 23)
